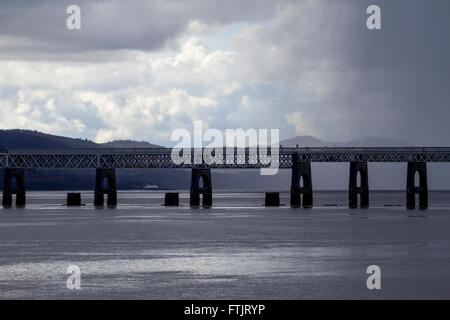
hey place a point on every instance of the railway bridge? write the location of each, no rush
(298, 160)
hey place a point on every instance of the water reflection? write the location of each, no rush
(140, 249)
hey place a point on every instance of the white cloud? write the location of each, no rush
(145, 97)
(301, 123)
(148, 94)
(245, 101)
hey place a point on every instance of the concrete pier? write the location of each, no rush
(73, 199)
(9, 188)
(272, 199)
(422, 189)
(354, 189)
(171, 199)
(110, 189)
(301, 170)
(196, 190)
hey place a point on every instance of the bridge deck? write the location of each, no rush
(238, 158)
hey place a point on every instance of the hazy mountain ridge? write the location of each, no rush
(129, 144)
(309, 141)
(28, 139)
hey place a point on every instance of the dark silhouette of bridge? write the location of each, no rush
(106, 161)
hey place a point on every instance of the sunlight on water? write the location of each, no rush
(236, 249)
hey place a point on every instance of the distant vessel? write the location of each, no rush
(151, 187)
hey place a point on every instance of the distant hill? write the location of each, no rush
(27, 139)
(304, 141)
(376, 142)
(308, 141)
(129, 144)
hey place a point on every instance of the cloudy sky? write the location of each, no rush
(139, 69)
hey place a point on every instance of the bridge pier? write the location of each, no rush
(301, 170)
(363, 189)
(9, 189)
(101, 189)
(172, 199)
(206, 190)
(272, 199)
(73, 199)
(422, 189)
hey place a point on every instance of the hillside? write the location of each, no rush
(27, 139)
(129, 144)
(308, 141)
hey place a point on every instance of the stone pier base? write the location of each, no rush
(9, 189)
(301, 170)
(422, 189)
(196, 190)
(110, 189)
(363, 189)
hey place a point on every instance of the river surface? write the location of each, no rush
(238, 249)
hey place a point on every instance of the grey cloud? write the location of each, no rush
(33, 27)
(407, 66)
(390, 82)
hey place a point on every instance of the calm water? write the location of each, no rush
(236, 250)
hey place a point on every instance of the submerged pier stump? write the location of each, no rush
(422, 189)
(196, 190)
(171, 199)
(73, 199)
(272, 199)
(17, 188)
(301, 172)
(363, 189)
(110, 188)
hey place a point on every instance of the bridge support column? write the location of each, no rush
(422, 189)
(363, 189)
(171, 199)
(18, 189)
(206, 190)
(74, 199)
(301, 170)
(110, 189)
(272, 199)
